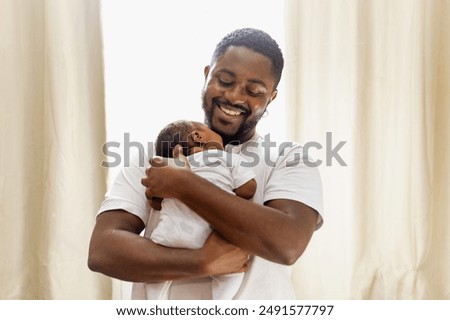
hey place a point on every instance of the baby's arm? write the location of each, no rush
(247, 190)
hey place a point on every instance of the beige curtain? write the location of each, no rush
(52, 129)
(375, 74)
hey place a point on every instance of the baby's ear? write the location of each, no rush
(196, 136)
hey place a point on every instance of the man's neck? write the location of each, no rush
(237, 141)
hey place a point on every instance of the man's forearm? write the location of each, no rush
(118, 251)
(279, 233)
(125, 255)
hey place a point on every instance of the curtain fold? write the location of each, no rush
(52, 129)
(376, 75)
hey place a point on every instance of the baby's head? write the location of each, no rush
(190, 135)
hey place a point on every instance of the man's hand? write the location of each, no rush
(219, 257)
(161, 176)
(156, 202)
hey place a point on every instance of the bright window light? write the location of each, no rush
(155, 53)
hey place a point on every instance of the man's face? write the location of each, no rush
(238, 88)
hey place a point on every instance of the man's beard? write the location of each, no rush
(247, 125)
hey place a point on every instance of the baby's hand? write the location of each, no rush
(164, 174)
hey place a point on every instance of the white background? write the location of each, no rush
(155, 53)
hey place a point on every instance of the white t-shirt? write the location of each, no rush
(280, 174)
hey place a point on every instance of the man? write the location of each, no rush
(262, 237)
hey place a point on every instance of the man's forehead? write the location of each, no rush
(241, 53)
(238, 60)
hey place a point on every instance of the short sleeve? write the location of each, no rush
(291, 178)
(240, 174)
(127, 193)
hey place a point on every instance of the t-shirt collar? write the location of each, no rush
(232, 148)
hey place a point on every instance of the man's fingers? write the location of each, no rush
(243, 268)
(158, 162)
(155, 203)
(179, 156)
(177, 151)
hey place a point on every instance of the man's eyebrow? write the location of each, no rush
(232, 74)
(227, 71)
(260, 82)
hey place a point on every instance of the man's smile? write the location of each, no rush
(229, 110)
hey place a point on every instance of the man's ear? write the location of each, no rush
(206, 71)
(273, 95)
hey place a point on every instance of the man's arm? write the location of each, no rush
(117, 250)
(278, 231)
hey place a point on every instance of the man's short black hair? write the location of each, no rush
(174, 133)
(256, 40)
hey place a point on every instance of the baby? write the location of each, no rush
(179, 226)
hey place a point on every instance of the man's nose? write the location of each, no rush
(236, 95)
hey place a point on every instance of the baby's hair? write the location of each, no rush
(174, 133)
